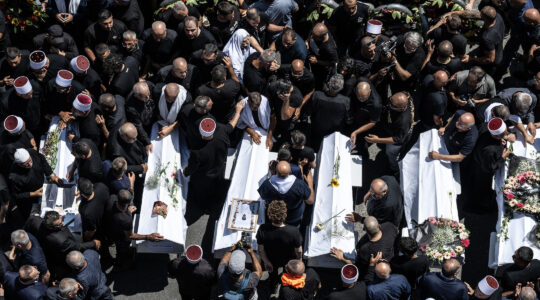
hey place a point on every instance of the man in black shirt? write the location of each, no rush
(191, 37)
(114, 113)
(158, 47)
(87, 76)
(524, 269)
(330, 110)
(410, 264)
(205, 60)
(60, 92)
(56, 41)
(191, 115)
(399, 127)
(87, 161)
(128, 11)
(180, 72)
(24, 100)
(260, 30)
(444, 59)
(223, 92)
(85, 111)
(450, 32)
(15, 133)
(106, 30)
(193, 273)
(224, 22)
(94, 197)
(258, 68)
(176, 14)
(460, 135)
(322, 53)
(13, 65)
(408, 59)
(299, 282)
(45, 67)
(290, 46)
(434, 100)
(352, 289)
(141, 111)
(367, 58)
(132, 46)
(302, 78)
(124, 74)
(348, 23)
(284, 99)
(366, 108)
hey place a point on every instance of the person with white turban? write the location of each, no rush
(238, 49)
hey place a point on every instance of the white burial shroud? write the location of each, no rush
(520, 227)
(62, 198)
(250, 171)
(172, 150)
(330, 201)
(429, 186)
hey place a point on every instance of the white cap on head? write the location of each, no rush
(496, 126)
(64, 78)
(207, 127)
(194, 254)
(13, 124)
(349, 274)
(38, 59)
(80, 64)
(488, 285)
(82, 102)
(22, 85)
(374, 27)
(21, 156)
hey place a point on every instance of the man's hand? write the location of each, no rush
(461, 102)
(337, 253)
(374, 259)
(239, 106)
(353, 217)
(132, 209)
(98, 244)
(68, 18)
(441, 131)
(11, 255)
(227, 62)
(131, 177)
(296, 114)
(269, 143)
(371, 138)
(353, 138)
(309, 179)
(145, 168)
(7, 81)
(470, 290)
(517, 290)
(430, 46)
(505, 153)
(69, 176)
(60, 18)
(268, 266)
(149, 148)
(382, 72)
(274, 66)
(465, 58)
(37, 193)
(100, 120)
(165, 131)
(255, 138)
(60, 52)
(529, 139)
(532, 129)
(155, 237)
(312, 59)
(66, 116)
(56, 180)
(433, 155)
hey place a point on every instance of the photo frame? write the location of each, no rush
(243, 215)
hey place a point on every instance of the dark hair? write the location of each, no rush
(283, 86)
(210, 49)
(454, 22)
(277, 211)
(224, 8)
(113, 62)
(347, 64)
(85, 186)
(104, 14)
(13, 52)
(298, 138)
(252, 14)
(255, 97)
(50, 217)
(219, 74)
(107, 100)
(101, 48)
(408, 246)
(525, 254)
(289, 32)
(124, 197)
(81, 148)
(284, 155)
(191, 19)
(477, 72)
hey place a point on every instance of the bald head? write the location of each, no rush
(527, 293)
(319, 31)
(532, 17)
(159, 27)
(399, 101)
(171, 92)
(440, 79)
(297, 65)
(363, 91)
(382, 270)
(128, 130)
(445, 49)
(296, 266)
(467, 118)
(283, 169)
(450, 267)
(371, 226)
(489, 13)
(379, 186)
(180, 62)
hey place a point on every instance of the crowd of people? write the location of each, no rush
(107, 70)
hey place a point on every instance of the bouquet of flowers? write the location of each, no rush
(448, 240)
(21, 14)
(160, 208)
(521, 193)
(163, 175)
(50, 147)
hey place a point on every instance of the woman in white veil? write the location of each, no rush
(238, 49)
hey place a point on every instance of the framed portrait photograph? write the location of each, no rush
(243, 215)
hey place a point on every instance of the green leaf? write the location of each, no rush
(456, 7)
(396, 15)
(315, 16)
(408, 19)
(446, 4)
(440, 3)
(325, 10)
(329, 13)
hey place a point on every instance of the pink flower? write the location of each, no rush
(522, 180)
(174, 175)
(465, 243)
(423, 248)
(432, 220)
(507, 191)
(453, 254)
(519, 205)
(529, 173)
(509, 196)
(454, 224)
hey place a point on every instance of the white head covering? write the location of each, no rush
(488, 285)
(238, 55)
(169, 116)
(194, 254)
(13, 124)
(21, 155)
(38, 59)
(496, 126)
(82, 102)
(64, 78)
(80, 64)
(246, 117)
(282, 185)
(374, 27)
(22, 85)
(349, 274)
(207, 127)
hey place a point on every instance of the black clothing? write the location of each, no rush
(255, 80)
(187, 46)
(134, 153)
(122, 82)
(160, 52)
(323, 51)
(204, 68)
(348, 28)
(19, 70)
(367, 111)
(90, 168)
(390, 207)
(453, 66)
(412, 62)
(434, 103)
(365, 247)
(224, 99)
(131, 15)
(57, 102)
(88, 128)
(34, 256)
(412, 269)
(136, 53)
(56, 63)
(21, 140)
(116, 118)
(22, 181)
(91, 81)
(189, 121)
(91, 211)
(68, 45)
(171, 21)
(142, 115)
(511, 276)
(458, 40)
(279, 243)
(28, 109)
(399, 124)
(366, 67)
(260, 33)
(94, 35)
(191, 82)
(194, 280)
(120, 222)
(357, 292)
(457, 141)
(492, 39)
(307, 292)
(330, 114)
(295, 100)
(305, 83)
(222, 32)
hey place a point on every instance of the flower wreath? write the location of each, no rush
(521, 195)
(20, 19)
(448, 240)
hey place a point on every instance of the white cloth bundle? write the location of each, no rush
(167, 115)
(246, 117)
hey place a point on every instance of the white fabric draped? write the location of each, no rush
(250, 171)
(238, 55)
(173, 150)
(246, 116)
(169, 116)
(429, 186)
(500, 252)
(330, 201)
(62, 198)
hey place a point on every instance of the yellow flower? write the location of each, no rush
(334, 182)
(319, 226)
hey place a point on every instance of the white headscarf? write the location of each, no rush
(170, 116)
(246, 117)
(233, 49)
(282, 185)
(73, 6)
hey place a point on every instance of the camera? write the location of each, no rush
(388, 46)
(469, 100)
(245, 241)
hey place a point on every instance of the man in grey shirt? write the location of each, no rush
(522, 103)
(469, 88)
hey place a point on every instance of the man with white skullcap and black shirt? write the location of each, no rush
(44, 67)
(351, 288)
(13, 65)
(24, 100)
(60, 92)
(26, 178)
(15, 133)
(84, 112)
(233, 275)
(193, 273)
(487, 288)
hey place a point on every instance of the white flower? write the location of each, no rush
(438, 255)
(512, 203)
(459, 249)
(463, 235)
(526, 207)
(461, 227)
(447, 255)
